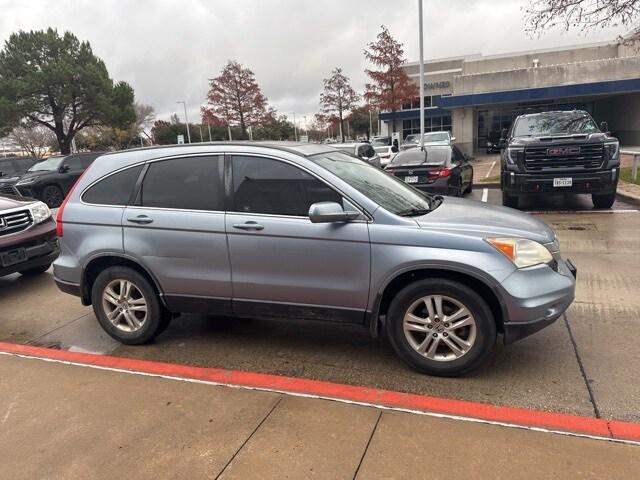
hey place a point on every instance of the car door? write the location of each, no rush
(70, 170)
(282, 264)
(176, 230)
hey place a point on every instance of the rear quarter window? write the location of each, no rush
(116, 189)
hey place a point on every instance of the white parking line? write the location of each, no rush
(485, 194)
(490, 168)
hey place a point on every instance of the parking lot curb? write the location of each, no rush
(633, 199)
(486, 185)
(428, 405)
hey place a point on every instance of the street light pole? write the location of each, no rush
(295, 127)
(209, 127)
(421, 76)
(370, 124)
(200, 127)
(186, 119)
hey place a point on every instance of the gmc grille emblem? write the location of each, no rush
(410, 172)
(563, 151)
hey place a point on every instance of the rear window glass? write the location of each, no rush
(430, 156)
(115, 189)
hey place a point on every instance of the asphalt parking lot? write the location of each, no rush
(586, 363)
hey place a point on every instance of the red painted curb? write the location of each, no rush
(518, 416)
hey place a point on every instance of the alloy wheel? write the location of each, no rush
(439, 328)
(124, 305)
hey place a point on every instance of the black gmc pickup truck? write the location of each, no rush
(559, 152)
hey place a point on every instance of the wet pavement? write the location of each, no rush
(586, 363)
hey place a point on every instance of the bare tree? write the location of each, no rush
(145, 116)
(541, 15)
(36, 140)
(338, 97)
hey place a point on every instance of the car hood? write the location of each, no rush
(35, 174)
(8, 202)
(9, 180)
(483, 220)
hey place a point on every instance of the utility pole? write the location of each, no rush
(421, 76)
(370, 124)
(186, 119)
(209, 127)
(200, 127)
(295, 127)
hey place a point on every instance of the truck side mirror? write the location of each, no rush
(604, 126)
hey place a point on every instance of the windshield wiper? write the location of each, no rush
(414, 212)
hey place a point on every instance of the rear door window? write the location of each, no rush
(263, 185)
(115, 189)
(187, 183)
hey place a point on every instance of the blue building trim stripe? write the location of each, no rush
(415, 113)
(543, 93)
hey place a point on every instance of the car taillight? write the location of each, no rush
(441, 172)
(59, 223)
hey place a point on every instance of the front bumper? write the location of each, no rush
(40, 245)
(604, 181)
(536, 297)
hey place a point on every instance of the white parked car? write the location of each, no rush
(431, 138)
(386, 154)
(364, 151)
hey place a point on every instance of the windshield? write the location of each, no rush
(50, 164)
(390, 193)
(564, 123)
(430, 156)
(428, 137)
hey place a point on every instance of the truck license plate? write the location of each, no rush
(13, 257)
(562, 182)
(413, 179)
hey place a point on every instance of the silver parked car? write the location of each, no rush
(304, 231)
(430, 138)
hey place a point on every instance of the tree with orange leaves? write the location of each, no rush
(390, 86)
(235, 96)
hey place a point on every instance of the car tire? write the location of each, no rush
(117, 306)
(603, 201)
(52, 195)
(477, 333)
(30, 272)
(470, 187)
(510, 201)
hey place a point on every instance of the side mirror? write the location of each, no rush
(453, 139)
(329, 212)
(604, 126)
(64, 168)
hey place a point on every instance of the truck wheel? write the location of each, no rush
(127, 306)
(510, 201)
(441, 327)
(603, 201)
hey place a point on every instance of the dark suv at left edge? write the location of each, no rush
(11, 169)
(50, 180)
(28, 240)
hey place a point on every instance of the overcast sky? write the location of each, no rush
(167, 49)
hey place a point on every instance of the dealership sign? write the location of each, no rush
(436, 85)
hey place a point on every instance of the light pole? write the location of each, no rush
(421, 76)
(186, 119)
(209, 127)
(200, 127)
(370, 125)
(295, 127)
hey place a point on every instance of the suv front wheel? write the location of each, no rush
(127, 306)
(441, 327)
(603, 201)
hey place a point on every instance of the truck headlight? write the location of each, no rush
(521, 251)
(514, 154)
(612, 152)
(39, 212)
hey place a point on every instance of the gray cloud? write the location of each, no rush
(168, 49)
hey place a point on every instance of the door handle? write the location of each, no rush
(140, 220)
(250, 225)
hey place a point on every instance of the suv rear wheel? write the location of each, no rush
(52, 196)
(441, 327)
(603, 201)
(127, 306)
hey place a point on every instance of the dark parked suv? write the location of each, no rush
(559, 152)
(28, 242)
(11, 169)
(50, 180)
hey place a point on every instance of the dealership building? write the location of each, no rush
(476, 96)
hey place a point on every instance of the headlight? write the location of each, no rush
(39, 212)
(521, 251)
(612, 152)
(26, 181)
(514, 154)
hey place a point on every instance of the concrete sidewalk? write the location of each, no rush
(66, 421)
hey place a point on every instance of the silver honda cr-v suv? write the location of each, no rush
(304, 231)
